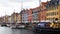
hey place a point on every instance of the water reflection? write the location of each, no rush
(6, 30)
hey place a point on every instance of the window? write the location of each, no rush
(59, 2)
(47, 14)
(47, 18)
(55, 7)
(57, 13)
(38, 11)
(52, 13)
(56, 3)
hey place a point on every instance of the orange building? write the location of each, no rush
(19, 18)
(42, 11)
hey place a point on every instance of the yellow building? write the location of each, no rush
(6, 19)
(14, 17)
(53, 13)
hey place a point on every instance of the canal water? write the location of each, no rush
(6, 30)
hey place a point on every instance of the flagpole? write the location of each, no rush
(21, 9)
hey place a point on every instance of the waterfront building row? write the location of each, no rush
(45, 11)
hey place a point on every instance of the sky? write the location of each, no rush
(7, 7)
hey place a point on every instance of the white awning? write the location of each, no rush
(45, 21)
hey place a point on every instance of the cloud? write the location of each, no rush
(10, 5)
(21, 0)
(43, 0)
(31, 4)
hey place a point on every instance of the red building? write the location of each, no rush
(38, 14)
(30, 15)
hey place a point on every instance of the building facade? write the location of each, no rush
(6, 18)
(14, 17)
(1, 19)
(9, 19)
(24, 16)
(35, 15)
(53, 10)
(30, 16)
(19, 18)
(42, 11)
